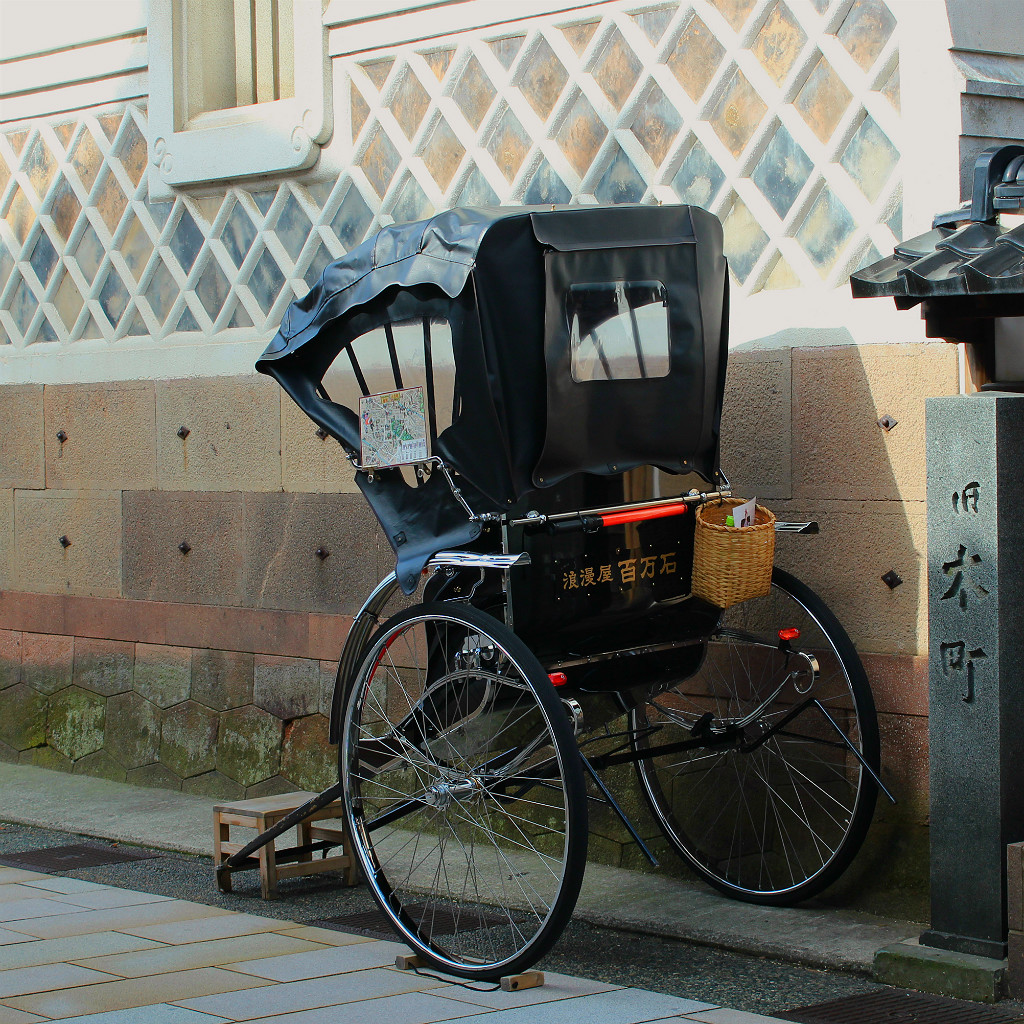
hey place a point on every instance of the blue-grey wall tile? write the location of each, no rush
(43, 257)
(699, 177)
(826, 230)
(870, 158)
(212, 288)
(293, 227)
(352, 220)
(266, 280)
(477, 191)
(238, 234)
(186, 240)
(621, 182)
(546, 187)
(161, 291)
(113, 296)
(782, 171)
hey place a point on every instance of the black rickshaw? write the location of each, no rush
(531, 401)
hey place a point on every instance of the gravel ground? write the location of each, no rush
(661, 965)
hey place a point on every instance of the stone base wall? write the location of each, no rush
(210, 669)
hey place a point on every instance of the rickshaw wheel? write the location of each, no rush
(772, 810)
(463, 790)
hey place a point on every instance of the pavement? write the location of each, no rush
(88, 950)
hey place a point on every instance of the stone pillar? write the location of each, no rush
(975, 450)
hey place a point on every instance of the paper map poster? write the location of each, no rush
(393, 428)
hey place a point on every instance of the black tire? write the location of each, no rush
(463, 790)
(775, 811)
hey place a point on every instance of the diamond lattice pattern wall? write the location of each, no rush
(778, 115)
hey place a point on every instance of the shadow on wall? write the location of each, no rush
(800, 430)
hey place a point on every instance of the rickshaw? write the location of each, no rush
(529, 397)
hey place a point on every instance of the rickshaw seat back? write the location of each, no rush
(583, 340)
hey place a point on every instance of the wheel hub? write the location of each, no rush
(442, 793)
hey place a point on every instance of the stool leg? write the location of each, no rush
(221, 834)
(304, 839)
(268, 867)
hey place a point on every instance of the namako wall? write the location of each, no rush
(165, 616)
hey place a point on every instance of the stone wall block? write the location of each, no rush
(90, 565)
(133, 730)
(21, 427)
(328, 677)
(234, 434)
(222, 679)
(163, 674)
(844, 564)
(100, 765)
(10, 658)
(307, 758)
(249, 745)
(6, 539)
(188, 740)
(154, 776)
(839, 394)
(75, 722)
(155, 569)
(904, 745)
(271, 787)
(23, 722)
(283, 533)
(286, 687)
(47, 661)
(110, 435)
(757, 438)
(309, 462)
(220, 787)
(11, 755)
(47, 757)
(104, 666)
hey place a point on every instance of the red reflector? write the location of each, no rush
(789, 634)
(558, 678)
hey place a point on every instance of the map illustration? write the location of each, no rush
(393, 428)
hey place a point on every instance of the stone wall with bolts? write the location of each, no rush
(211, 669)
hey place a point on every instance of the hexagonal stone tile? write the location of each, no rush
(188, 739)
(307, 758)
(154, 776)
(222, 679)
(163, 675)
(133, 730)
(286, 687)
(270, 787)
(47, 757)
(10, 658)
(23, 723)
(103, 666)
(214, 784)
(101, 766)
(47, 661)
(75, 722)
(249, 745)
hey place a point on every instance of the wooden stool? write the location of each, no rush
(264, 812)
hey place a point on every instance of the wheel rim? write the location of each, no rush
(778, 808)
(455, 792)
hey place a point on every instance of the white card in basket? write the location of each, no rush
(743, 515)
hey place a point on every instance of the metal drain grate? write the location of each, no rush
(70, 858)
(442, 921)
(899, 1007)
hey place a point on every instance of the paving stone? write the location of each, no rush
(130, 919)
(100, 765)
(249, 745)
(323, 962)
(303, 995)
(56, 951)
(307, 757)
(158, 776)
(23, 723)
(103, 666)
(19, 981)
(47, 661)
(214, 784)
(222, 679)
(188, 739)
(163, 675)
(120, 995)
(192, 955)
(220, 926)
(133, 730)
(75, 722)
(286, 687)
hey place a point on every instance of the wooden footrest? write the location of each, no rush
(263, 813)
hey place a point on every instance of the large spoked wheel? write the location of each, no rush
(464, 791)
(769, 804)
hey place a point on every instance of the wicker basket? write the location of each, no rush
(732, 563)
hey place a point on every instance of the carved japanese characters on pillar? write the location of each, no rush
(959, 659)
